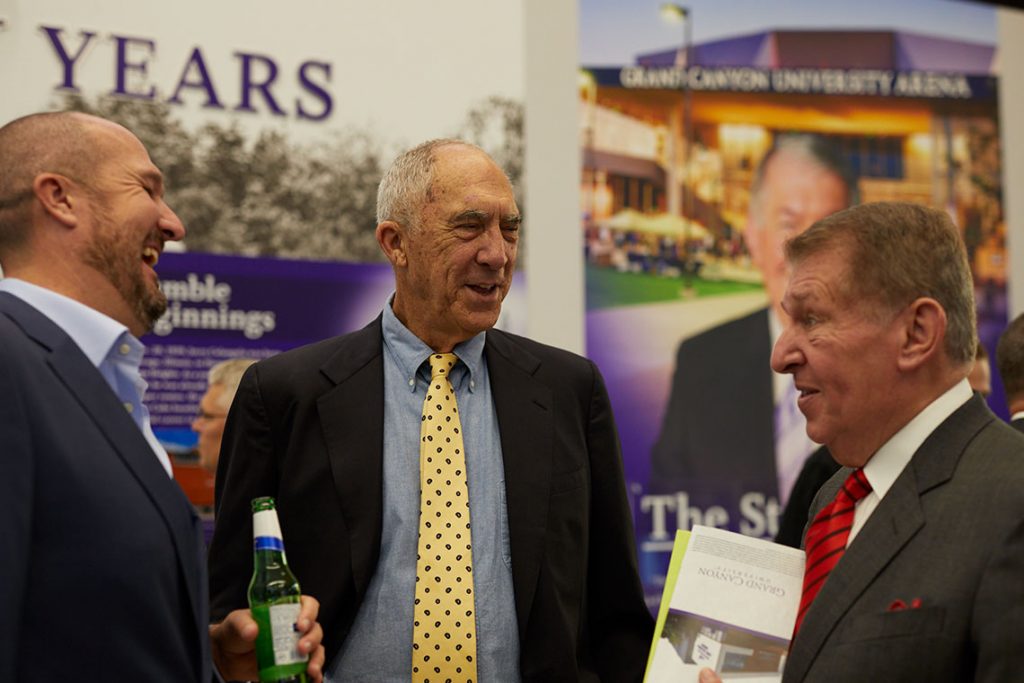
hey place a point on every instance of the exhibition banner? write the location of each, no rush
(272, 127)
(222, 307)
(683, 220)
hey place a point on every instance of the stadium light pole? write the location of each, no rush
(674, 13)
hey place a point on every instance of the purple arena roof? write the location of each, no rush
(828, 49)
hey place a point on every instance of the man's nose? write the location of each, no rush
(786, 354)
(493, 247)
(170, 225)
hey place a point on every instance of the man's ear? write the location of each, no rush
(54, 193)
(392, 241)
(924, 333)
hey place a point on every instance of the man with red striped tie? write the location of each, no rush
(915, 552)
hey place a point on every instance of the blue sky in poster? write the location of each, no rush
(613, 32)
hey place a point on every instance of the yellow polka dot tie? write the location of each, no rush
(444, 620)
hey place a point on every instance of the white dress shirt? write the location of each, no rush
(891, 459)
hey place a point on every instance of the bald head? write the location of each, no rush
(407, 184)
(84, 214)
(66, 143)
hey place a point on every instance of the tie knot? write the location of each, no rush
(441, 363)
(856, 485)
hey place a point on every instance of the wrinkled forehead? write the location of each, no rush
(828, 265)
(117, 149)
(466, 171)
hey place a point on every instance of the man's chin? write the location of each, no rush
(481, 321)
(151, 309)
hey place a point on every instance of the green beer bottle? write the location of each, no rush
(274, 600)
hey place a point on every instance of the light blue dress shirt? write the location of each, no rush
(379, 646)
(105, 342)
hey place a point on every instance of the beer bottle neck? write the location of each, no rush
(269, 550)
(268, 543)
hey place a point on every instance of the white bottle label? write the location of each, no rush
(264, 523)
(286, 638)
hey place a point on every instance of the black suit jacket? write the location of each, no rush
(100, 570)
(948, 537)
(717, 437)
(307, 427)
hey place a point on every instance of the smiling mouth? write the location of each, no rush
(151, 256)
(805, 392)
(483, 289)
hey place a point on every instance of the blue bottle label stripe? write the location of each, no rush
(269, 543)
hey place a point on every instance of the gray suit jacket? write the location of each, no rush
(949, 534)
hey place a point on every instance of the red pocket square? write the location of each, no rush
(897, 605)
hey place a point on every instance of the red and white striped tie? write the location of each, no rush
(827, 536)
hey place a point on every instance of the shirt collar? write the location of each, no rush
(93, 332)
(410, 352)
(890, 460)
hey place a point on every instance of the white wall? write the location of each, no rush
(1011, 124)
(553, 240)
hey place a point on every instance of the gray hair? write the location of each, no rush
(406, 185)
(899, 252)
(815, 149)
(228, 374)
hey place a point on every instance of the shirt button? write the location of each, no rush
(412, 381)
(129, 407)
(472, 384)
(124, 349)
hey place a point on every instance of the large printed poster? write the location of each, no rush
(710, 133)
(272, 124)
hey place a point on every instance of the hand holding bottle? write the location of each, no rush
(233, 643)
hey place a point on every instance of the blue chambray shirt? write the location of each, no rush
(105, 342)
(379, 646)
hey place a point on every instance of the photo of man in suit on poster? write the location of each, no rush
(731, 425)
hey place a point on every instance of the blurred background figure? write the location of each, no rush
(1010, 362)
(198, 482)
(723, 377)
(980, 378)
(213, 409)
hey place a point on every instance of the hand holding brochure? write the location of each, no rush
(729, 604)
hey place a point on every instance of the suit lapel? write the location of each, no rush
(762, 469)
(896, 520)
(352, 419)
(891, 526)
(526, 421)
(99, 402)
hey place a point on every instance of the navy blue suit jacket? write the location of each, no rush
(100, 552)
